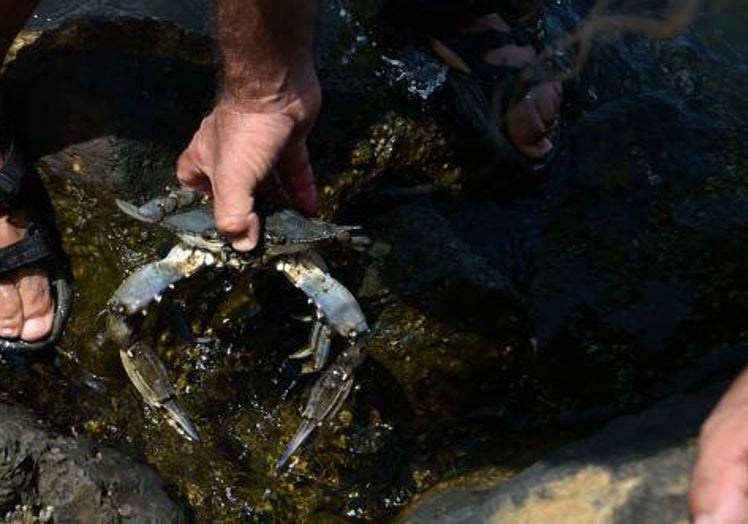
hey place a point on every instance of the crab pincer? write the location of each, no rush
(148, 375)
(339, 312)
(318, 348)
(327, 397)
(335, 303)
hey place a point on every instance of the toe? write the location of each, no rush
(531, 121)
(547, 101)
(37, 304)
(11, 311)
(526, 127)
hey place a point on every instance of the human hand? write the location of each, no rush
(240, 144)
(719, 483)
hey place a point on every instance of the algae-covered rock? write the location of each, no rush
(48, 478)
(635, 470)
(125, 98)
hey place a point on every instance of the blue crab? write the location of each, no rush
(288, 242)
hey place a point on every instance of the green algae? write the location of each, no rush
(242, 393)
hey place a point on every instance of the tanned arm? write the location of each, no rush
(267, 105)
(263, 43)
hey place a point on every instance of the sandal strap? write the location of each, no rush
(33, 248)
(476, 44)
(440, 16)
(471, 47)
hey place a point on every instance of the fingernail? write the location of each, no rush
(243, 244)
(705, 519)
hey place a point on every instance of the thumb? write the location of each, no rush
(233, 206)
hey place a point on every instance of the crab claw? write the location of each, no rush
(148, 375)
(326, 398)
(179, 419)
(156, 210)
(150, 281)
(338, 306)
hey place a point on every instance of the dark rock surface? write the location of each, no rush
(126, 97)
(636, 470)
(47, 478)
(636, 279)
(192, 14)
(642, 262)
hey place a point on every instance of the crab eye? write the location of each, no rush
(210, 234)
(275, 238)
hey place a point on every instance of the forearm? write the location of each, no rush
(266, 46)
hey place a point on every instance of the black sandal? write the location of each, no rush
(442, 16)
(21, 188)
(482, 93)
(478, 92)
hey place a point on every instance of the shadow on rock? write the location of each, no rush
(111, 102)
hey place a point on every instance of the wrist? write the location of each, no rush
(270, 80)
(267, 49)
(294, 92)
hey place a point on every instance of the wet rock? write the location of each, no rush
(640, 265)
(191, 14)
(634, 470)
(463, 260)
(127, 96)
(641, 262)
(47, 478)
(637, 275)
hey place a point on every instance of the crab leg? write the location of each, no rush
(148, 375)
(143, 367)
(327, 397)
(157, 209)
(318, 347)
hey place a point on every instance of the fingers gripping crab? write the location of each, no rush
(288, 241)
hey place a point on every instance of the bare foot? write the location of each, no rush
(26, 306)
(530, 121)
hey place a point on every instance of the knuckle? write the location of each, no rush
(185, 164)
(182, 175)
(716, 432)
